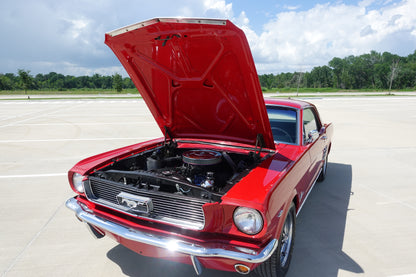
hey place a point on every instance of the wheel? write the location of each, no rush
(278, 264)
(322, 175)
(286, 137)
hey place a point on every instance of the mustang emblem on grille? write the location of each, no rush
(135, 203)
(130, 203)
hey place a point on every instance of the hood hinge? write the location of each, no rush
(169, 143)
(259, 143)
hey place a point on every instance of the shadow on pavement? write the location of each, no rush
(321, 227)
(318, 244)
(133, 264)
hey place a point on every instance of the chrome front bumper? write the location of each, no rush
(171, 244)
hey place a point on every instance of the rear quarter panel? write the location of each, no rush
(329, 133)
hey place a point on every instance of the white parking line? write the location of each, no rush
(26, 114)
(73, 139)
(64, 101)
(132, 114)
(86, 123)
(34, 238)
(51, 111)
(33, 175)
(388, 197)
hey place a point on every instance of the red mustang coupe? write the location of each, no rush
(223, 187)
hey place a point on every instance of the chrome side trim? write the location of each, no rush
(306, 197)
(197, 265)
(168, 243)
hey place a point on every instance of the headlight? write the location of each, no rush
(78, 183)
(248, 220)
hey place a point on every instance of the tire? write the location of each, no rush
(322, 175)
(278, 264)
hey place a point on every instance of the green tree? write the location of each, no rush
(97, 80)
(381, 72)
(5, 82)
(371, 60)
(117, 82)
(322, 76)
(128, 83)
(267, 80)
(26, 80)
(337, 65)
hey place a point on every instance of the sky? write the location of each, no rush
(67, 37)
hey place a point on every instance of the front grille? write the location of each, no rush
(167, 207)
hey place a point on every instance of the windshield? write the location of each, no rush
(283, 122)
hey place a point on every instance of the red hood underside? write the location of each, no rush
(197, 77)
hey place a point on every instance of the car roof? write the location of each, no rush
(294, 103)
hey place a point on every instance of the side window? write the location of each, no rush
(310, 123)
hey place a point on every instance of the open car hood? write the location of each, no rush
(197, 77)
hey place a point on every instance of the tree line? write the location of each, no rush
(59, 82)
(368, 71)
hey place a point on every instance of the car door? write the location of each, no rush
(312, 139)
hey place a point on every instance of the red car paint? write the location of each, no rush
(200, 84)
(175, 65)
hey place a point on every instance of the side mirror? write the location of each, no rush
(312, 136)
(322, 131)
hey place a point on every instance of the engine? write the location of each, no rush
(201, 173)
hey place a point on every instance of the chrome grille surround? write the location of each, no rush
(178, 210)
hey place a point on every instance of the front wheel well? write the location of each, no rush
(278, 263)
(295, 201)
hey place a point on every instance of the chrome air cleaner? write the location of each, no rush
(201, 157)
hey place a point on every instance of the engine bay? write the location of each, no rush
(202, 173)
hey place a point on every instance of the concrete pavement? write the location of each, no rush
(360, 221)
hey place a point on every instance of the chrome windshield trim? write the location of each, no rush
(172, 244)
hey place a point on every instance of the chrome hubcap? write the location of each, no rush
(286, 240)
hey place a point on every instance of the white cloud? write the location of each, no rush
(218, 9)
(296, 40)
(291, 8)
(68, 36)
(77, 26)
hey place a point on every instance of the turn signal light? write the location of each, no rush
(242, 269)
